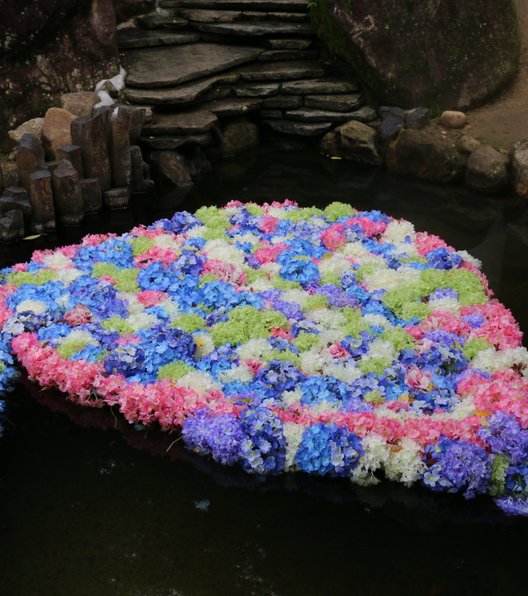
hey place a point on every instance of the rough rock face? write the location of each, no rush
(353, 141)
(443, 53)
(520, 168)
(48, 47)
(487, 170)
(427, 154)
(126, 9)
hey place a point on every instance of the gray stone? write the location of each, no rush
(80, 103)
(232, 106)
(92, 195)
(41, 198)
(203, 140)
(256, 89)
(427, 154)
(139, 183)
(140, 38)
(519, 161)
(467, 144)
(172, 167)
(180, 95)
(11, 226)
(453, 119)
(298, 17)
(315, 115)
(257, 28)
(16, 198)
(336, 103)
(270, 114)
(56, 129)
(166, 67)
(318, 87)
(395, 111)
(198, 163)
(201, 15)
(390, 127)
(293, 127)
(280, 71)
(487, 170)
(274, 55)
(239, 136)
(279, 5)
(182, 123)
(73, 154)
(288, 44)
(286, 102)
(116, 198)
(160, 21)
(417, 118)
(353, 141)
(119, 149)
(69, 204)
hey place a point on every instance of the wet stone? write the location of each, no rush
(92, 195)
(318, 87)
(116, 198)
(15, 198)
(289, 44)
(73, 154)
(273, 55)
(286, 102)
(166, 67)
(172, 167)
(257, 28)
(173, 142)
(29, 157)
(141, 38)
(183, 123)
(315, 115)
(69, 204)
(336, 103)
(293, 127)
(233, 107)
(41, 198)
(159, 21)
(279, 5)
(279, 71)
(256, 90)
(11, 226)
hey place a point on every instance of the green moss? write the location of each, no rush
(174, 371)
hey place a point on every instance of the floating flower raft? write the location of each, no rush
(332, 342)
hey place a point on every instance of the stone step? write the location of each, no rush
(365, 114)
(180, 95)
(170, 66)
(131, 38)
(293, 127)
(274, 55)
(279, 71)
(318, 87)
(272, 5)
(256, 89)
(159, 21)
(193, 122)
(229, 16)
(336, 103)
(258, 29)
(232, 106)
(173, 142)
(283, 102)
(289, 44)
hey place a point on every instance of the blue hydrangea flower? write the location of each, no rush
(263, 448)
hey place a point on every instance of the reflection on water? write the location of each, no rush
(92, 506)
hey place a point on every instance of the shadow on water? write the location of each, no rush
(91, 505)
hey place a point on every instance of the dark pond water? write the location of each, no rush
(91, 506)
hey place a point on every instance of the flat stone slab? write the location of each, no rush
(160, 21)
(173, 142)
(278, 5)
(337, 103)
(203, 15)
(183, 123)
(286, 102)
(257, 28)
(279, 71)
(233, 106)
(141, 38)
(365, 114)
(256, 89)
(166, 67)
(318, 87)
(304, 129)
(180, 95)
(289, 44)
(273, 55)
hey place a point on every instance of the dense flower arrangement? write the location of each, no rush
(332, 342)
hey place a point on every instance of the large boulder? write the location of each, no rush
(487, 170)
(49, 48)
(353, 141)
(429, 153)
(443, 53)
(519, 162)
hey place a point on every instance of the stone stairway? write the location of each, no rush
(197, 63)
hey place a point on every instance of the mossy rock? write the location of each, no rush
(443, 54)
